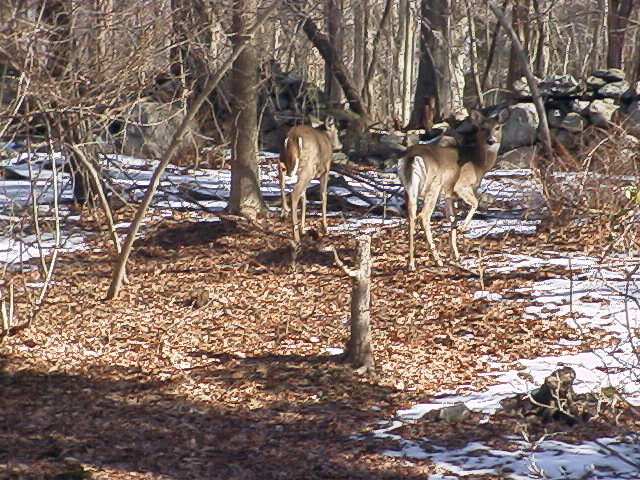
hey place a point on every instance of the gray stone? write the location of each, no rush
(574, 122)
(559, 85)
(554, 117)
(521, 127)
(455, 413)
(595, 83)
(609, 74)
(614, 90)
(564, 137)
(600, 112)
(521, 157)
(628, 119)
(521, 86)
(149, 129)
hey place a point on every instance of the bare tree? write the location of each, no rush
(521, 26)
(435, 69)
(245, 197)
(617, 21)
(334, 20)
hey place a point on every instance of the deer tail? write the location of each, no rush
(290, 157)
(411, 172)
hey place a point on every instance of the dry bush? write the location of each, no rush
(593, 184)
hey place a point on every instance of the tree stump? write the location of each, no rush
(358, 352)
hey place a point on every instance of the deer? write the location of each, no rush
(307, 153)
(452, 167)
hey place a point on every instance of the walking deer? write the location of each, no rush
(307, 153)
(452, 168)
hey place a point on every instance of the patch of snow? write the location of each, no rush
(550, 459)
(601, 295)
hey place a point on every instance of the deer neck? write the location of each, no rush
(482, 156)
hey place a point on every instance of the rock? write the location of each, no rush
(391, 139)
(521, 86)
(614, 90)
(579, 106)
(521, 157)
(521, 127)
(631, 95)
(564, 137)
(559, 86)
(600, 112)
(574, 122)
(149, 129)
(609, 74)
(595, 83)
(456, 413)
(554, 117)
(628, 119)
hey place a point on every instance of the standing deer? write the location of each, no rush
(451, 168)
(307, 153)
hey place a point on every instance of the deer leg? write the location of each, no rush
(323, 188)
(468, 195)
(411, 216)
(303, 217)
(295, 198)
(430, 200)
(453, 223)
(285, 207)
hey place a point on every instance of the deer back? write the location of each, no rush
(307, 150)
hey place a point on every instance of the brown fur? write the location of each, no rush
(308, 153)
(429, 171)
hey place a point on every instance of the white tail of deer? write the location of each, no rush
(453, 169)
(307, 153)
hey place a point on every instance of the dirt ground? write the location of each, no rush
(212, 362)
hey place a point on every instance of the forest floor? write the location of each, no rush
(215, 361)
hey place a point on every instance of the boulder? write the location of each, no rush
(595, 83)
(574, 122)
(554, 117)
(564, 137)
(628, 119)
(614, 90)
(521, 128)
(148, 130)
(521, 157)
(600, 112)
(609, 74)
(559, 86)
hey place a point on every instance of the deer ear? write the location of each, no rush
(315, 123)
(329, 122)
(504, 114)
(476, 117)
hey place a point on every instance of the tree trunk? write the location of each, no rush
(541, 65)
(478, 101)
(358, 352)
(521, 55)
(368, 81)
(334, 14)
(617, 20)
(407, 65)
(359, 42)
(520, 25)
(323, 45)
(435, 69)
(176, 141)
(245, 197)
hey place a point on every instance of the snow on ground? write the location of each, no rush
(598, 294)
